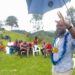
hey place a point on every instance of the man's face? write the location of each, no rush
(60, 29)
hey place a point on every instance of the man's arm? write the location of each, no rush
(72, 31)
(66, 23)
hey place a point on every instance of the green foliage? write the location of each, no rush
(70, 11)
(12, 21)
(2, 29)
(37, 17)
(71, 14)
(1, 24)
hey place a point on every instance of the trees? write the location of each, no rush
(71, 14)
(1, 24)
(37, 21)
(12, 21)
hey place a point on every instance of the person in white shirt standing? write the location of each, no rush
(64, 44)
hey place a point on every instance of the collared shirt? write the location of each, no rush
(66, 63)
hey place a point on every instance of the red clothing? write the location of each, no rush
(48, 46)
(30, 45)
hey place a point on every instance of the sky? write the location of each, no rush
(18, 8)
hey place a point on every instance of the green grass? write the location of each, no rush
(33, 65)
(16, 36)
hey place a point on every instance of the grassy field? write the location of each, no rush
(32, 65)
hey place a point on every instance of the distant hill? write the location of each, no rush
(16, 36)
(40, 34)
(43, 34)
(21, 31)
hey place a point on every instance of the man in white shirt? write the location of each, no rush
(9, 46)
(65, 44)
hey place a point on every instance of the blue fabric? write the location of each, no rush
(11, 50)
(63, 53)
(43, 6)
(29, 4)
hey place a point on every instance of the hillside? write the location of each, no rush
(46, 35)
(15, 36)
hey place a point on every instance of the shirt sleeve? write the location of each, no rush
(72, 40)
(73, 44)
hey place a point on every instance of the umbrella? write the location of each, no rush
(43, 6)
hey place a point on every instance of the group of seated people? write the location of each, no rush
(19, 47)
(23, 47)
